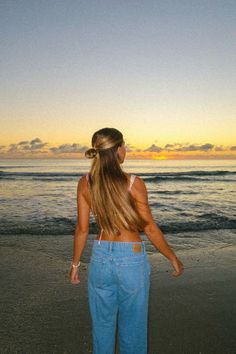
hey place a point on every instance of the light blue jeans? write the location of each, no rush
(118, 289)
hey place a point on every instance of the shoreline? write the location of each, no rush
(42, 312)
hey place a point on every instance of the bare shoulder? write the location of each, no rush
(82, 184)
(82, 188)
(139, 182)
(139, 189)
(82, 180)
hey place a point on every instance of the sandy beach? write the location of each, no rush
(42, 312)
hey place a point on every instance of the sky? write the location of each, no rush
(161, 72)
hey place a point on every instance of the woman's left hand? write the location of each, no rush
(178, 266)
(74, 276)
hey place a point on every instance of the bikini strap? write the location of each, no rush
(100, 237)
(87, 177)
(132, 178)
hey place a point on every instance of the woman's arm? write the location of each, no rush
(152, 230)
(82, 227)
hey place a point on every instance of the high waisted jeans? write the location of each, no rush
(118, 289)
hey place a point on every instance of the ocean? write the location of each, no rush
(192, 201)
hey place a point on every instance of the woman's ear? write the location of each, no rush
(118, 153)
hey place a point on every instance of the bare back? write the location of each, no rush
(125, 235)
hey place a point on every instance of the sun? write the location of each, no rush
(160, 157)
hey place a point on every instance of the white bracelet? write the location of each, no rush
(75, 265)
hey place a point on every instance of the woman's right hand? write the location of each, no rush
(178, 266)
(74, 276)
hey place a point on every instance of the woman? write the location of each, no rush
(119, 271)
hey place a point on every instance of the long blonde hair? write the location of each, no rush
(112, 204)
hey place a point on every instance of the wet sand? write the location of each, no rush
(42, 312)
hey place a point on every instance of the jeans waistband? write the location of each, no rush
(120, 247)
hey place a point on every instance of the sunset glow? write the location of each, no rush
(160, 72)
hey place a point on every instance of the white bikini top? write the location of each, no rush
(132, 178)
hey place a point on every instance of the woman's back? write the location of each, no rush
(125, 235)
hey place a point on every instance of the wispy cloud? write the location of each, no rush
(220, 148)
(68, 148)
(204, 147)
(131, 148)
(35, 145)
(154, 148)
